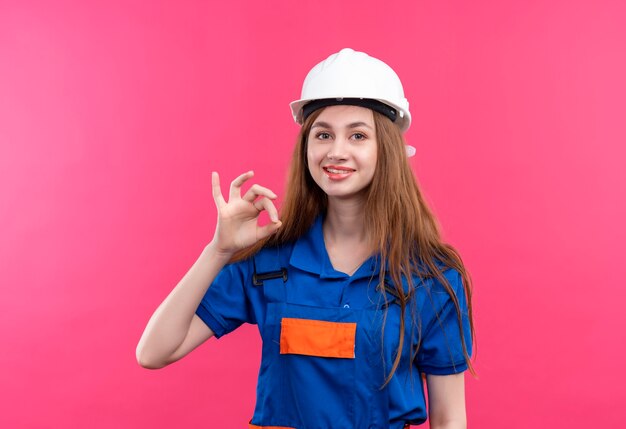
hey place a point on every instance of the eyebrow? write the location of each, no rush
(351, 125)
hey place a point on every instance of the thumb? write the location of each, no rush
(267, 230)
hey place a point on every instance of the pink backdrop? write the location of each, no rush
(114, 113)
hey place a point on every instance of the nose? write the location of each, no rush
(338, 149)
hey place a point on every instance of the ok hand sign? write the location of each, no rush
(238, 219)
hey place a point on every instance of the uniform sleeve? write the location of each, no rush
(441, 349)
(226, 304)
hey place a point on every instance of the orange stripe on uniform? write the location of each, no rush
(317, 338)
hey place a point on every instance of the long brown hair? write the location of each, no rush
(402, 229)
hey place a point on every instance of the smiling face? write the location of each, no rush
(342, 151)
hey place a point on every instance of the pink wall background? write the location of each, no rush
(114, 113)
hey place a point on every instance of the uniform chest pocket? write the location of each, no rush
(317, 338)
(312, 353)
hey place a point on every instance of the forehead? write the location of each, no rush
(342, 116)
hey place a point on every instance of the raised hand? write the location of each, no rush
(238, 218)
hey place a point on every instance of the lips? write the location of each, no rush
(338, 169)
(337, 172)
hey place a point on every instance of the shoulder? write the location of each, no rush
(453, 277)
(270, 259)
(427, 278)
(440, 290)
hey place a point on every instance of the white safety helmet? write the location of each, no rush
(353, 75)
(354, 78)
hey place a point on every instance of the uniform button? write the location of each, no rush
(346, 306)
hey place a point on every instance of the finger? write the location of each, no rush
(267, 205)
(217, 191)
(235, 186)
(258, 191)
(267, 230)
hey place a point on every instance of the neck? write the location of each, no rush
(345, 221)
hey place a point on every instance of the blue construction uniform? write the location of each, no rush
(336, 384)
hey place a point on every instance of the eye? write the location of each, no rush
(359, 136)
(323, 135)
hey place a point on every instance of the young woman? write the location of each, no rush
(355, 295)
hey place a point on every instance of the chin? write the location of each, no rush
(346, 195)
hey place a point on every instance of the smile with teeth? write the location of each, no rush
(338, 170)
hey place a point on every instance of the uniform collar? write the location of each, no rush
(309, 254)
